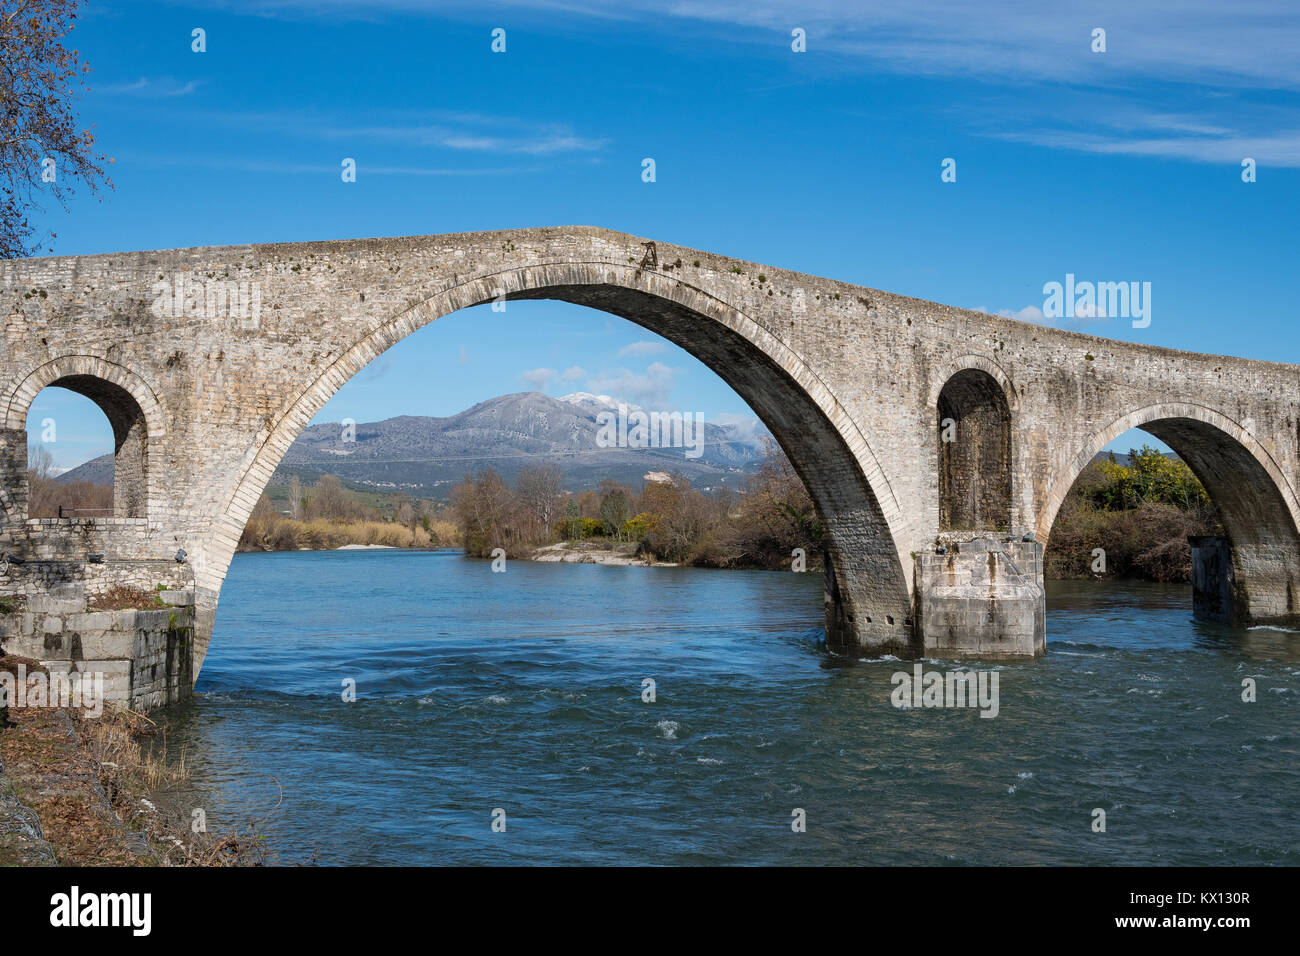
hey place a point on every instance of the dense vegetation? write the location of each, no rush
(665, 520)
(327, 515)
(1140, 514)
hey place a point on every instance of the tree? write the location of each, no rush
(482, 505)
(330, 501)
(539, 489)
(572, 519)
(295, 497)
(41, 149)
(615, 508)
(404, 512)
(42, 490)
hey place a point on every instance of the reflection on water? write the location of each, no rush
(522, 691)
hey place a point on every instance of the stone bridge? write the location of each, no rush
(937, 443)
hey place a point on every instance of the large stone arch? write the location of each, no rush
(132, 409)
(1258, 506)
(868, 586)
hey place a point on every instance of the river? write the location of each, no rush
(521, 692)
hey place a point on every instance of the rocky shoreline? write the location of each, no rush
(79, 788)
(568, 553)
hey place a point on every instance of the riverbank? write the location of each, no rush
(291, 534)
(81, 790)
(587, 552)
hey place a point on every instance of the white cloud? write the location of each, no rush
(1199, 40)
(1196, 70)
(1034, 313)
(573, 373)
(538, 378)
(163, 86)
(650, 388)
(642, 349)
(745, 429)
(472, 132)
(1030, 313)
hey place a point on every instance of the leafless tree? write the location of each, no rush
(538, 489)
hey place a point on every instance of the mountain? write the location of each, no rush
(426, 456)
(97, 471)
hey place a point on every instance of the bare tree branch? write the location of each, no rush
(42, 151)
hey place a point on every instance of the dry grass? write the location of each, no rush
(103, 799)
(122, 598)
(446, 534)
(131, 774)
(320, 534)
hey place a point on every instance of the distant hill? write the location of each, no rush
(425, 456)
(97, 471)
(1123, 458)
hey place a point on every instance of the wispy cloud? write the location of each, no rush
(1196, 71)
(745, 429)
(1033, 313)
(538, 378)
(1251, 43)
(439, 129)
(296, 168)
(642, 349)
(163, 86)
(1103, 124)
(524, 146)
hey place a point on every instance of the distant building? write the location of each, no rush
(661, 477)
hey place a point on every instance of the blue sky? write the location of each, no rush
(1117, 166)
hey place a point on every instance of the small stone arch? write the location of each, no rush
(974, 409)
(983, 363)
(132, 409)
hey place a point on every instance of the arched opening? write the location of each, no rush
(1235, 545)
(57, 420)
(866, 595)
(69, 457)
(974, 454)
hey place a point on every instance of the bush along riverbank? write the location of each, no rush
(79, 786)
(667, 522)
(1138, 516)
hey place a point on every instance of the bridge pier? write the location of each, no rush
(140, 657)
(1241, 584)
(981, 598)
